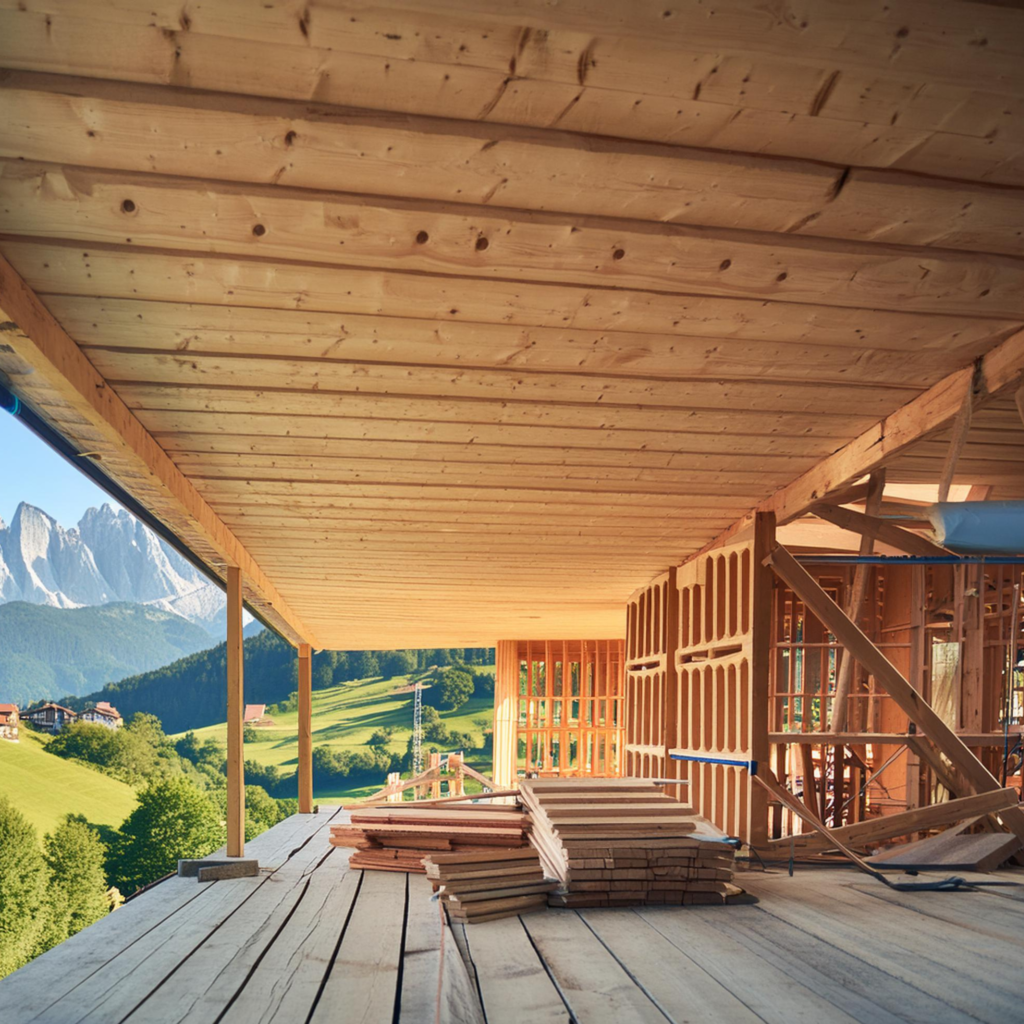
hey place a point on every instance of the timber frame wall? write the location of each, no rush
(697, 681)
(727, 669)
(561, 702)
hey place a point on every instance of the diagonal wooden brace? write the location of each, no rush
(976, 777)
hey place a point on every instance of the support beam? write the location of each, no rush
(961, 428)
(1018, 397)
(873, 529)
(305, 729)
(236, 708)
(44, 367)
(760, 662)
(861, 575)
(976, 776)
(933, 410)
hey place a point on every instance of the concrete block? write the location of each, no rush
(209, 869)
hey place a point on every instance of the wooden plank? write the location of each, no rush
(44, 354)
(675, 184)
(836, 914)
(286, 982)
(212, 974)
(40, 985)
(361, 983)
(107, 272)
(305, 728)
(47, 201)
(909, 701)
(514, 985)
(905, 823)
(675, 983)
(592, 983)
(983, 851)
(698, 935)
(235, 709)
(574, 80)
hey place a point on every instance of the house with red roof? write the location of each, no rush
(9, 722)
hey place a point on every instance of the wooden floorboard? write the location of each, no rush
(312, 940)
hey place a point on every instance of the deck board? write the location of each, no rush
(312, 939)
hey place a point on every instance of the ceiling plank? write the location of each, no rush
(110, 271)
(39, 349)
(188, 215)
(934, 410)
(113, 126)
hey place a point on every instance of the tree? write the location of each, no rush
(78, 884)
(323, 675)
(397, 663)
(452, 688)
(261, 812)
(381, 738)
(368, 665)
(23, 877)
(174, 820)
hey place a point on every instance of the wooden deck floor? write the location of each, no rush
(310, 940)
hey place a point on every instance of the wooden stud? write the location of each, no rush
(861, 575)
(977, 776)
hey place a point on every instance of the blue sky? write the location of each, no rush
(31, 471)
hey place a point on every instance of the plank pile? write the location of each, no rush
(625, 842)
(394, 837)
(487, 885)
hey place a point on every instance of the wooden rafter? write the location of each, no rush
(930, 412)
(877, 529)
(48, 371)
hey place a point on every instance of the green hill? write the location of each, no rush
(54, 652)
(191, 693)
(344, 718)
(45, 788)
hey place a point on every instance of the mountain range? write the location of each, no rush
(54, 653)
(109, 557)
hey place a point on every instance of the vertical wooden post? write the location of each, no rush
(760, 660)
(305, 729)
(236, 706)
(506, 714)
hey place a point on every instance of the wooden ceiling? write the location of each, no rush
(461, 319)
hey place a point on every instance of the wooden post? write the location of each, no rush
(761, 623)
(305, 729)
(236, 705)
(861, 575)
(506, 714)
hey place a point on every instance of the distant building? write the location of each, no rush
(52, 717)
(254, 713)
(103, 713)
(9, 722)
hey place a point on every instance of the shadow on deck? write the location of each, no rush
(311, 940)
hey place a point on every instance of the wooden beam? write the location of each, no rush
(236, 709)
(930, 412)
(760, 663)
(861, 575)
(48, 371)
(890, 826)
(1018, 398)
(872, 528)
(305, 729)
(858, 646)
(961, 429)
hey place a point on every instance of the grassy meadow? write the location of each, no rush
(344, 718)
(45, 788)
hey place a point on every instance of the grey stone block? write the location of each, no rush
(209, 869)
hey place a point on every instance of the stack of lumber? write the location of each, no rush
(487, 885)
(625, 842)
(394, 837)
